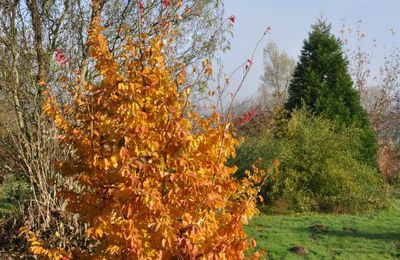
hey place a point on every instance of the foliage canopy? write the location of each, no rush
(152, 174)
(320, 168)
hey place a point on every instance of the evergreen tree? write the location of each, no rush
(322, 83)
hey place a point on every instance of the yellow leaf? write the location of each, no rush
(99, 232)
(113, 249)
(114, 161)
(107, 164)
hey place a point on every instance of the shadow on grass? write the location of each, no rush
(351, 233)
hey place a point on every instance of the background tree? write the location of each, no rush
(379, 92)
(322, 83)
(278, 71)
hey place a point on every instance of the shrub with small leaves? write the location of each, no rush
(319, 168)
(14, 189)
(322, 171)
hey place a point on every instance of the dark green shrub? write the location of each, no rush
(320, 167)
(249, 153)
(14, 189)
(323, 170)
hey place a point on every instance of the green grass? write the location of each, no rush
(370, 236)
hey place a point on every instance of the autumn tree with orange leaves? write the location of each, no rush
(151, 174)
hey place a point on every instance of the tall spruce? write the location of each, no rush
(322, 83)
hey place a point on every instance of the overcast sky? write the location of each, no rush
(291, 20)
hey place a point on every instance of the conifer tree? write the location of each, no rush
(322, 83)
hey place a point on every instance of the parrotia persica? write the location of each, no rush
(152, 180)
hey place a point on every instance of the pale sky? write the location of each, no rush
(291, 21)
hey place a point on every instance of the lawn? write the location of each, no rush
(370, 236)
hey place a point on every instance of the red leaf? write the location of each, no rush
(60, 57)
(141, 7)
(165, 3)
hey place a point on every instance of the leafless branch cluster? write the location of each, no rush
(379, 91)
(31, 33)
